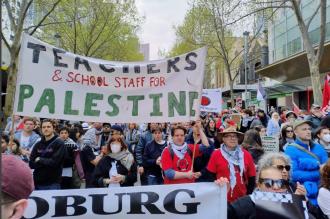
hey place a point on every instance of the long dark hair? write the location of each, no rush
(123, 144)
(17, 151)
(325, 175)
(252, 139)
(283, 131)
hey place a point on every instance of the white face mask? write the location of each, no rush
(115, 148)
(326, 138)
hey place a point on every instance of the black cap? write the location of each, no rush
(117, 128)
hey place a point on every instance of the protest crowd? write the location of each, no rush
(225, 148)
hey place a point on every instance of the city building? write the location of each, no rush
(288, 67)
(216, 75)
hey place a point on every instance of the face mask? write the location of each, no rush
(244, 116)
(115, 148)
(326, 138)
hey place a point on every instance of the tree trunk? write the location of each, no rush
(316, 83)
(11, 85)
(231, 85)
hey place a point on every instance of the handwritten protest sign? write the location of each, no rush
(211, 100)
(54, 83)
(236, 118)
(270, 143)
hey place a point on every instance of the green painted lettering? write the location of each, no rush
(68, 104)
(173, 102)
(25, 91)
(156, 104)
(135, 99)
(89, 104)
(193, 95)
(47, 99)
(115, 109)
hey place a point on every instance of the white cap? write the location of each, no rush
(85, 126)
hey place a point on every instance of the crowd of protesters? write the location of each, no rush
(225, 148)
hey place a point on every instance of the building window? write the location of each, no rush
(294, 46)
(315, 36)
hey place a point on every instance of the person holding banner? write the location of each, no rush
(271, 196)
(117, 168)
(198, 136)
(178, 157)
(234, 163)
(283, 163)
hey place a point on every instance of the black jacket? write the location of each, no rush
(48, 169)
(242, 208)
(102, 172)
(152, 151)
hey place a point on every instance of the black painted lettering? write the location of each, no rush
(107, 69)
(57, 58)
(169, 202)
(172, 64)
(137, 203)
(61, 206)
(78, 61)
(189, 61)
(151, 69)
(36, 51)
(42, 207)
(98, 204)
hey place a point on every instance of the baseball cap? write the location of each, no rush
(85, 126)
(117, 128)
(301, 122)
(17, 179)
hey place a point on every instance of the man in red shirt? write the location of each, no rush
(177, 157)
(234, 163)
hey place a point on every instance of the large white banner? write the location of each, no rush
(57, 84)
(211, 100)
(190, 201)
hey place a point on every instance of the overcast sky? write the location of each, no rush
(160, 16)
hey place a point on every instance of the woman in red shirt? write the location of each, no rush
(177, 158)
(234, 163)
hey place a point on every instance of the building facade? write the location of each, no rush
(288, 66)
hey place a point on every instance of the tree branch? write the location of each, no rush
(255, 11)
(10, 16)
(5, 41)
(322, 30)
(313, 15)
(51, 23)
(45, 16)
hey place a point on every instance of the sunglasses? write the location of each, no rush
(281, 167)
(289, 131)
(270, 183)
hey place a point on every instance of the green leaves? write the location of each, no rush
(100, 29)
